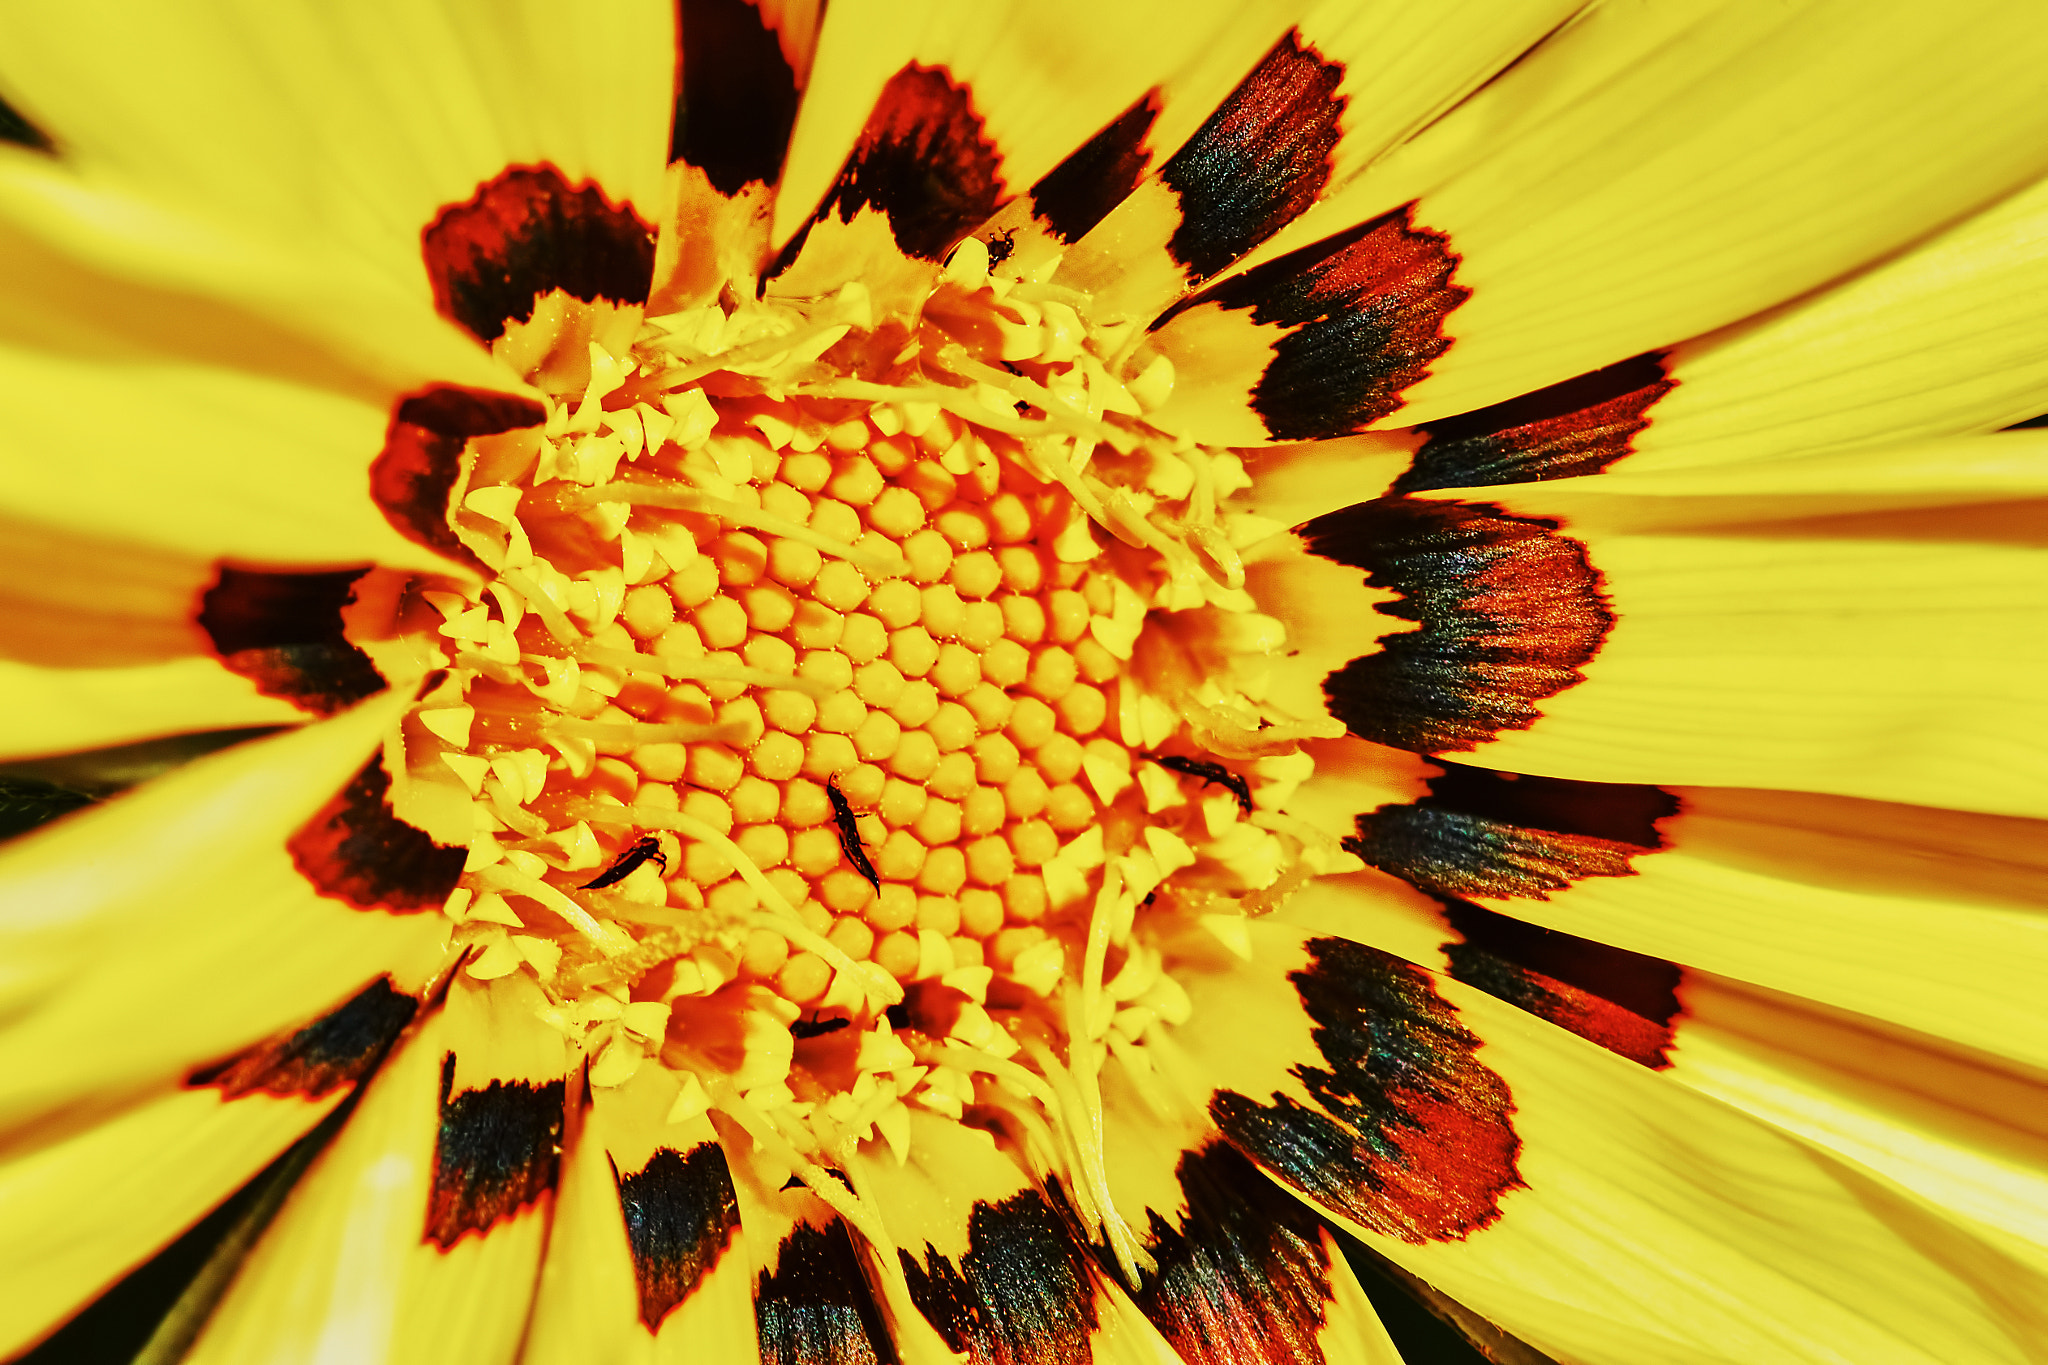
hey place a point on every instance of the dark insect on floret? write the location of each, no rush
(815, 1027)
(1212, 775)
(849, 834)
(647, 849)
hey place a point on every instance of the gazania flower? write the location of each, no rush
(947, 680)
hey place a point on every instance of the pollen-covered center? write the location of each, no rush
(844, 698)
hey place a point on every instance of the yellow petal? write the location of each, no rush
(169, 926)
(1347, 82)
(1634, 1203)
(1962, 1133)
(346, 131)
(1939, 341)
(353, 1268)
(1655, 172)
(82, 1210)
(604, 1276)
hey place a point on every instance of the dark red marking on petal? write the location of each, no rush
(1244, 1278)
(736, 96)
(16, 128)
(815, 1308)
(498, 1150)
(1510, 612)
(1079, 192)
(339, 1048)
(1022, 1295)
(357, 850)
(1481, 833)
(422, 457)
(922, 160)
(680, 1215)
(283, 632)
(526, 232)
(1578, 427)
(1366, 308)
(1260, 160)
(1621, 1000)
(1412, 1138)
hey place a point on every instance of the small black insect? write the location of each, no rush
(849, 834)
(646, 849)
(1212, 775)
(1000, 245)
(815, 1027)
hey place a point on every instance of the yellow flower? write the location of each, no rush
(913, 665)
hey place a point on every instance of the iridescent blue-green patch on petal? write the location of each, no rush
(681, 1214)
(1259, 161)
(497, 1152)
(1482, 833)
(814, 1308)
(1244, 1277)
(1023, 1293)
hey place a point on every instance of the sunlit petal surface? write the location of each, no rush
(765, 682)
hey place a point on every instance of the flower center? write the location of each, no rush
(851, 702)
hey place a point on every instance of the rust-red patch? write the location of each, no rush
(1363, 314)
(1622, 1000)
(525, 232)
(1510, 610)
(1580, 426)
(1259, 161)
(337, 1049)
(1412, 1136)
(413, 475)
(284, 632)
(355, 849)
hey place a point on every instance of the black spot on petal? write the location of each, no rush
(680, 1215)
(737, 97)
(1365, 313)
(1243, 1279)
(413, 475)
(1510, 612)
(923, 160)
(814, 1308)
(498, 1150)
(1412, 1137)
(1259, 161)
(1079, 192)
(16, 128)
(1020, 1296)
(357, 850)
(525, 233)
(1481, 833)
(1578, 427)
(1622, 1000)
(283, 631)
(339, 1048)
